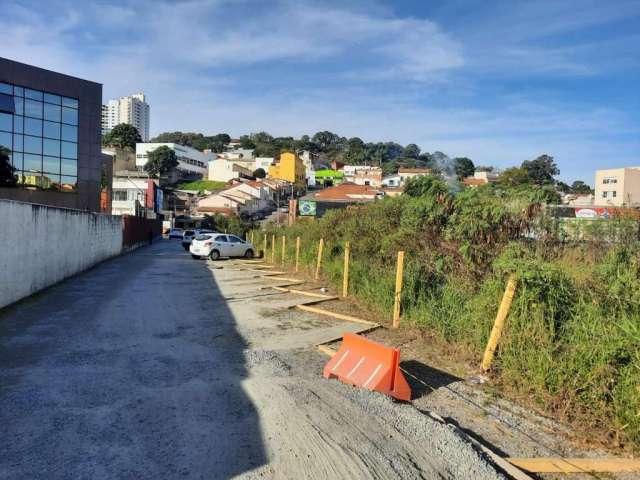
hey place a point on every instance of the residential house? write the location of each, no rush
(309, 169)
(289, 168)
(263, 163)
(392, 181)
(259, 190)
(223, 170)
(363, 175)
(328, 178)
(618, 187)
(342, 196)
(407, 173)
(229, 202)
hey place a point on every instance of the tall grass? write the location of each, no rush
(572, 339)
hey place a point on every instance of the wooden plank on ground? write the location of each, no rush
(576, 465)
(274, 277)
(328, 313)
(338, 338)
(309, 294)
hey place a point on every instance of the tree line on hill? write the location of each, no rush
(330, 146)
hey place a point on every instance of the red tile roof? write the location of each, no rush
(348, 192)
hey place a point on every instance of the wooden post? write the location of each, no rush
(345, 273)
(297, 253)
(264, 247)
(319, 260)
(284, 247)
(252, 236)
(498, 325)
(273, 248)
(398, 294)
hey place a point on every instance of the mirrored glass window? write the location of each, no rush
(52, 112)
(34, 94)
(32, 163)
(40, 130)
(33, 108)
(6, 122)
(18, 124)
(69, 150)
(69, 167)
(50, 98)
(69, 116)
(51, 147)
(6, 140)
(69, 102)
(32, 144)
(68, 183)
(51, 164)
(16, 160)
(51, 130)
(33, 126)
(69, 133)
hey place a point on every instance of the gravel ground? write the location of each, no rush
(154, 365)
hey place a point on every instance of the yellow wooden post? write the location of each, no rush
(297, 253)
(345, 274)
(498, 325)
(398, 294)
(319, 260)
(264, 247)
(284, 247)
(273, 248)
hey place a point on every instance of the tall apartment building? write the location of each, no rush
(133, 110)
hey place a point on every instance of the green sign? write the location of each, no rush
(307, 207)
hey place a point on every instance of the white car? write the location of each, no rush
(176, 233)
(216, 245)
(189, 235)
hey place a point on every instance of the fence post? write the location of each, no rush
(264, 248)
(496, 331)
(297, 253)
(345, 274)
(398, 294)
(284, 247)
(319, 260)
(273, 248)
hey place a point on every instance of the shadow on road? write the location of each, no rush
(133, 369)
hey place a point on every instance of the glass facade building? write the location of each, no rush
(40, 129)
(50, 124)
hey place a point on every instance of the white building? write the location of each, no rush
(618, 187)
(190, 160)
(392, 181)
(133, 110)
(406, 173)
(263, 163)
(223, 170)
(129, 195)
(309, 170)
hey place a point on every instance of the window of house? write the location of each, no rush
(32, 129)
(604, 194)
(613, 194)
(120, 195)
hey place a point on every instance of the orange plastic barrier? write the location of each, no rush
(369, 365)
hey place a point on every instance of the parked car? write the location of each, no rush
(189, 235)
(216, 245)
(175, 233)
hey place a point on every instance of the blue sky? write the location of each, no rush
(499, 82)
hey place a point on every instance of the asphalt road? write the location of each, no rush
(154, 365)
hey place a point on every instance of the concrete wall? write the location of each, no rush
(42, 245)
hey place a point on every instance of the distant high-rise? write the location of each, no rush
(133, 110)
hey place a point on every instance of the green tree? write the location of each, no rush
(259, 173)
(514, 176)
(161, 161)
(580, 187)
(563, 187)
(411, 151)
(122, 136)
(7, 171)
(463, 167)
(541, 170)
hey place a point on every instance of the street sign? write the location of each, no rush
(307, 207)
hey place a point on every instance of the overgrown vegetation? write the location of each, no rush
(201, 185)
(572, 341)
